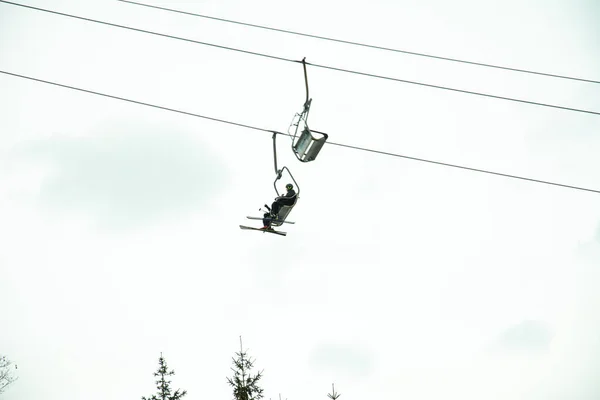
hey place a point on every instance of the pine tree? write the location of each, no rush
(6, 373)
(333, 395)
(245, 386)
(163, 385)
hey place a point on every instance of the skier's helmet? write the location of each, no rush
(289, 186)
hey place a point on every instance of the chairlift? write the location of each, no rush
(306, 143)
(280, 218)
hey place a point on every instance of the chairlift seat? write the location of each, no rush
(283, 213)
(308, 146)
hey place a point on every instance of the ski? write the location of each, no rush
(264, 230)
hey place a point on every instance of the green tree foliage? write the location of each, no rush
(7, 370)
(244, 384)
(333, 395)
(163, 385)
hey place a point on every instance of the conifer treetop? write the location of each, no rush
(244, 384)
(333, 395)
(163, 385)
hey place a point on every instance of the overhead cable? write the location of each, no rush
(145, 31)
(313, 64)
(361, 44)
(286, 134)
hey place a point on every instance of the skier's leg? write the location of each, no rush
(266, 221)
(275, 208)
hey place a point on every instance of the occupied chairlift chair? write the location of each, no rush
(283, 212)
(285, 209)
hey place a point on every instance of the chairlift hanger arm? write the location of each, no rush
(277, 172)
(278, 177)
(307, 101)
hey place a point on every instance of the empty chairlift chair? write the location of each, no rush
(308, 146)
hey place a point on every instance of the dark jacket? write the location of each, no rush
(287, 199)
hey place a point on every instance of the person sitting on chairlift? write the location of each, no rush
(287, 199)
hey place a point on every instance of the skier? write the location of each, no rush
(287, 199)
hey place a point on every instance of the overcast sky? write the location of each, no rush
(400, 279)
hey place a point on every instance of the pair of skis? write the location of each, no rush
(270, 230)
